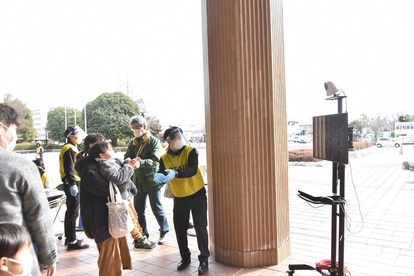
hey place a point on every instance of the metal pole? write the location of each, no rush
(341, 226)
(86, 129)
(401, 146)
(66, 121)
(334, 218)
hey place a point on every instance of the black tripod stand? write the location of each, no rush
(331, 142)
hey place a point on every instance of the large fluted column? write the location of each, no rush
(246, 126)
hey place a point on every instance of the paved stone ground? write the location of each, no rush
(380, 218)
(379, 238)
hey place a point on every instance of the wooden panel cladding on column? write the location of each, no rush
(248, 173)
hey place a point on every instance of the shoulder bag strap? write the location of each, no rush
(113, 187)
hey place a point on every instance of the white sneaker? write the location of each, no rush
(191, 232)
(162, 238)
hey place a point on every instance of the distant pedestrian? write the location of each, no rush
(47, 181)
(39, 151)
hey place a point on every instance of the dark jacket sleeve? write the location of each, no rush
(150, 158)
(69, 166)
(92, 180)
(161, 169)
(191, 168)
(130, 151)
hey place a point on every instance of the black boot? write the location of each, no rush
(183, 264)
(203, 268)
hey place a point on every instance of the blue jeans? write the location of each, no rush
(156, 207)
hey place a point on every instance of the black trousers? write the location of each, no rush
(198, 207)
(71, 214)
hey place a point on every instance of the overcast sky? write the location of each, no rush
(56, 53)
(69, 52)
(366, 47)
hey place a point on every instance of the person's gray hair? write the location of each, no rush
(138, 120)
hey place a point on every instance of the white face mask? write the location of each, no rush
(109, 155)
(137, 132)
(112, 154)
(26, 267)
(78, 139)
(10, 145)
(177, 144)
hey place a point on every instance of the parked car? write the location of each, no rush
(304, 139)
(292, 137)
(387, 142)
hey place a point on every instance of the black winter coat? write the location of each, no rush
(94, 193)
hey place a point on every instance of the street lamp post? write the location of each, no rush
(66, 119)
(401, 146)
(46, 136)
(86, 129)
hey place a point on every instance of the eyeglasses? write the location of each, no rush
(138, 127)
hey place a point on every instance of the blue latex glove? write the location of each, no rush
(74, 190)
(170, 175)
(159, 178)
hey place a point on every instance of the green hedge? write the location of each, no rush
(30, 146)
(306, 155)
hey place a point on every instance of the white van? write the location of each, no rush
(388, 142)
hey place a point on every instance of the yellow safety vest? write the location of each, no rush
(183, 187)
(64, 149)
